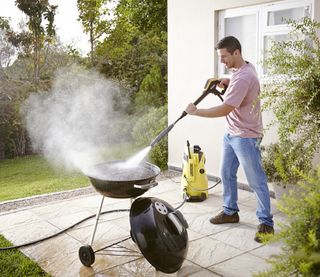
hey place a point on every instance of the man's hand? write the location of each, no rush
(224, 82)
(191, 109)
(217, 111)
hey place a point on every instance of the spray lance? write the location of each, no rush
(210, 87)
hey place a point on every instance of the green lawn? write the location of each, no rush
(14, 263)
(33, 175)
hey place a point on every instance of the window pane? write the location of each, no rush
(278, 17)
(244, 29)
(277, 38)
(268, 40)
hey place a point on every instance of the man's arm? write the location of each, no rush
(217, 111)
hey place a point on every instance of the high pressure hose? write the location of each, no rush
(185, 199)
(217, 183)
(185, 195)
(60, 232)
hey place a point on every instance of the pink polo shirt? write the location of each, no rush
(243, 94)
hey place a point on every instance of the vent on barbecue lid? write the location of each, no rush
(160, 232)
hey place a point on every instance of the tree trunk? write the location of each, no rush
(91, 44)
(2, 145)
(36, 59)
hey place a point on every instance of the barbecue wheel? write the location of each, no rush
(86, 255)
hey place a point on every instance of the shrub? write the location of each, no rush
(153, 90)
(283, 163)
(269, 154)
(292, 93)
(147, 128)
(300, 233)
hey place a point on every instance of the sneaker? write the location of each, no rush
(263, 229)
(222, 218)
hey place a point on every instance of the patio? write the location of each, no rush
(214, 250)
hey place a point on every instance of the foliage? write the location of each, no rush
(93, 15)
(21, 41)
(301, 233)
(14, 263)
(270, 154)
(16, 84)
(129, 55)
(152, 90)
(52, 58)
(12, 134)
(293, 93)
(135, 53)
(283, 164)
(39, 11)
(6, 48)
(147, 15)
(15, 88)
(132, 49)
(148, 127)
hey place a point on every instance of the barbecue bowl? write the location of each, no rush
(117, 179)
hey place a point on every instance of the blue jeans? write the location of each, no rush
(244, 151)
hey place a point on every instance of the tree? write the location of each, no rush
(137, 42)
(147, 15)
(38, 11)
(93, 15)
(16, 73)
(7, 50)
(135, 53)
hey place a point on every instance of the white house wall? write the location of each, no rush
(192, 35)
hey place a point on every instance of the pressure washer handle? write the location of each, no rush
(200, 98)
(210, 87)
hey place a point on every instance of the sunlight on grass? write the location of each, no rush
(14, 263)
(34, 175)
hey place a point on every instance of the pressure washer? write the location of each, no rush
(194, 181)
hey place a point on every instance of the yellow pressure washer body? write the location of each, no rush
(194, 181)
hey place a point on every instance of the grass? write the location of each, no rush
(33, 175)
(14, 263)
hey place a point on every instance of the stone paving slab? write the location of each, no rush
(214, 250)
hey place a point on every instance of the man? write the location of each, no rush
(241, 142)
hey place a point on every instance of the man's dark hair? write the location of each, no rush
(230, 43)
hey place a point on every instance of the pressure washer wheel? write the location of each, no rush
(203, 196)
(86, 255)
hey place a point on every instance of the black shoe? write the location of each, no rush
(222, 218)
(263, 229)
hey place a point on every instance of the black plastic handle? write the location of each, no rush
(200, 98)
(210, 87)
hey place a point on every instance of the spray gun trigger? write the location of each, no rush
(211, 83)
